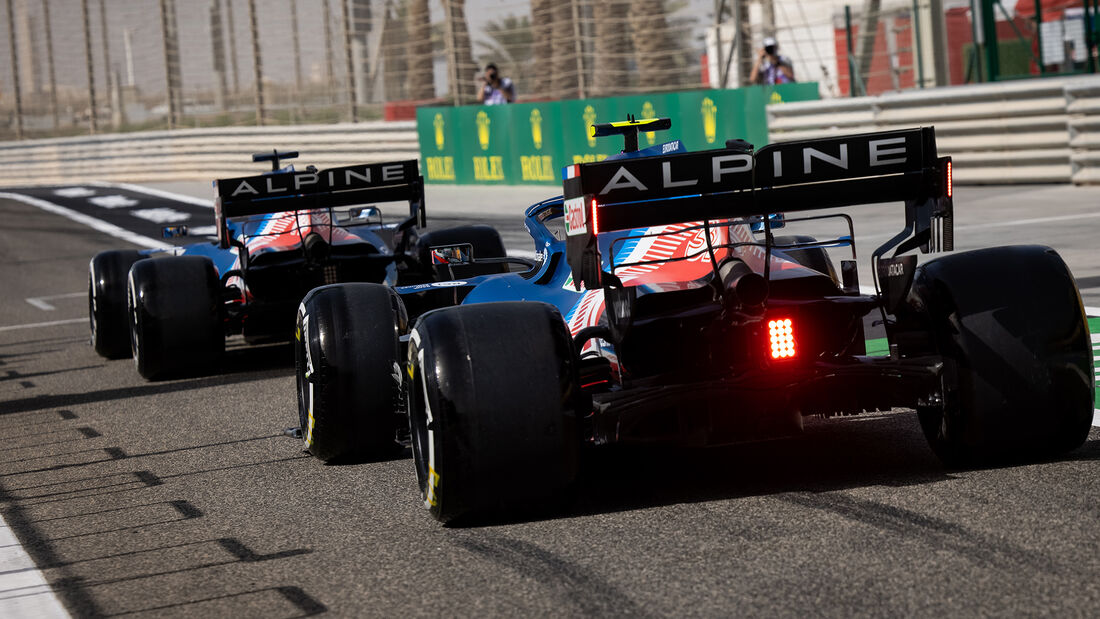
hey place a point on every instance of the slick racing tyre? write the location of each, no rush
(350, 371)
(1018, 379)
(176, 326)
(492, 408)
(485, 241)
(107, 273)
(815, 258)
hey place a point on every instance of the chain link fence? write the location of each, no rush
(91, 66)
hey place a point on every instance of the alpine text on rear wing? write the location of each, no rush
(734, 183)
(396, 181)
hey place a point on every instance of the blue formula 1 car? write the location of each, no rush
(279, 235)
(663, 307)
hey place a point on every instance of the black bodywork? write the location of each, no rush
(667, 309)
(693, 366)
(263, 291)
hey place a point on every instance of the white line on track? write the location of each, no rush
(87, 220)
(999, 224)
(24, 592)
(43, 304)
(522, 253)
(1027, 222)
(159, 193)
(38, 325)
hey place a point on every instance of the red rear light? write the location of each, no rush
(949, 179)
(595, 218)
(781, 334)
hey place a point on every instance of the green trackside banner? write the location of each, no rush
(529, 143)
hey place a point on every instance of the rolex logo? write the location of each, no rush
(536, 128)
(439, 123)
(483, 130)
(589, 118)
(649, 112)
(710, 120)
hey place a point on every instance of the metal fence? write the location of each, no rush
(94, 66)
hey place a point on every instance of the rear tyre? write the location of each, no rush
(485, 241)
(350, 371)
(1018, 379)
(492, 408)
(107, 274)
(176, 326)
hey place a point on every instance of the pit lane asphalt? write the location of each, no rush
(182, 498)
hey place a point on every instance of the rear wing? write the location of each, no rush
(731, 183)
(396, 181)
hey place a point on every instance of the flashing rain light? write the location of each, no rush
(595, 219)
(782, 338)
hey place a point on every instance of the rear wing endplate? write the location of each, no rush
(803, 175)
(395, 181)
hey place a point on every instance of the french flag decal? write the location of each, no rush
(571, 171)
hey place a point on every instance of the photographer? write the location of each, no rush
(494, 89)
(771, 67)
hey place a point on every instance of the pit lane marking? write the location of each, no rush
(80, 218)
(113, 201)
(38, 325)
(42, 302)
(74, 192)
(159, 193)
(162, 215)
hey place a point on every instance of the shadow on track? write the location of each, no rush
(831, 455)
(243, 365)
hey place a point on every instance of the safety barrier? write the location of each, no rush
(1083, 108)
(529, 143)
(1027, 131)
(199, 154)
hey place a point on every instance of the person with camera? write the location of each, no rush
(771, 67)
(494, 89)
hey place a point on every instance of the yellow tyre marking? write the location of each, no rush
(433, 483)
(309, 429)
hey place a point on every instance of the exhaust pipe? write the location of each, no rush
(746, 286)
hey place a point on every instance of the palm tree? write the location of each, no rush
(541, 48)
(394, 57)
(563, 52)
(654, 46)
(612, 47)
(460, 58)
(418, 50)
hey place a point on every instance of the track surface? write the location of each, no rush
(183, 498)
